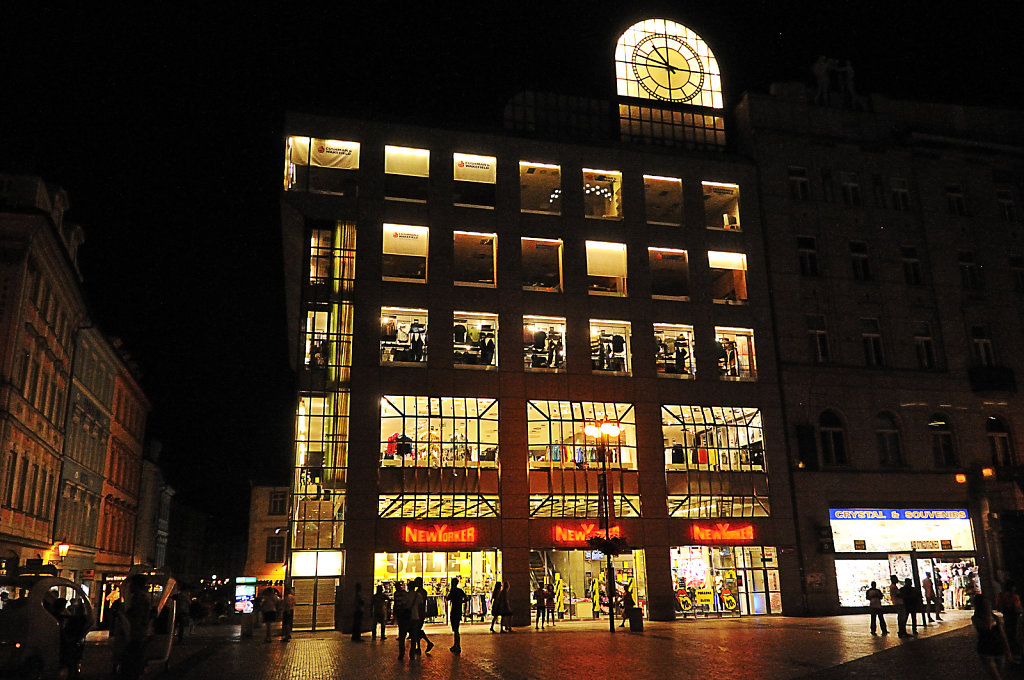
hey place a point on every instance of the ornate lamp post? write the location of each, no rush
(601, 430)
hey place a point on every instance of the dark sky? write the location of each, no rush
(165, 126)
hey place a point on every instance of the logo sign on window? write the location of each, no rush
(438, 534)
(578, 534)
(722, 532)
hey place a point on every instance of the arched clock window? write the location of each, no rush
(663, 60)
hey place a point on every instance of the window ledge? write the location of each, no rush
(666, 224)
(404, 363)
(403, 199)
(530, 369)
(677, 298)
(539, 212)
(476, 284)
(476, 367)
(735, 229)
(738, 378)
(683, 376)
(544, 289)
(730, 302)
(606, 293)
(626, 373)
(613, 218)
(473, 205)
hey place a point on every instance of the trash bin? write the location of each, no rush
(248, 624)
(636, 620)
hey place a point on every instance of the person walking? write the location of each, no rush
(898, 603)
(549, 602)
(932, 601)
(419, 614)
(874, 597)
(358, 605)
(1008, 604)
(270, 603)
(456, 601)
(911, 595)
(139, 617)
(993, 646)
(506, 608)
(287, 613)
(183, 608)
(627, 606)
(539, 599)
(403, 617)
(495, 604)
(379, 611)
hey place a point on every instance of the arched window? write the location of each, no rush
(999, 442)
(833, 439)
(887, 433)
(943, 447)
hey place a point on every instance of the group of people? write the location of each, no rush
(544, 601)
(909, 603)
(273, 607)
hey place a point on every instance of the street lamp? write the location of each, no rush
(62, 551)
(605, 429)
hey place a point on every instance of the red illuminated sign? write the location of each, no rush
(723, 532)
(438, 534)
(581, 532)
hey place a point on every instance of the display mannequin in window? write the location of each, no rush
(417, 339)
(554, 348)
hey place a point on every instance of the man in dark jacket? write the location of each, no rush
(911, 595)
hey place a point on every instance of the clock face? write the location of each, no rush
(668, 68)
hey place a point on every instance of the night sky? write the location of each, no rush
(165, 127)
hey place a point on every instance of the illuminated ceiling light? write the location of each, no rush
(63, 549)
(988, 472)
(960, 478)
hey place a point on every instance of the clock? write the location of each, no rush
(668, 68)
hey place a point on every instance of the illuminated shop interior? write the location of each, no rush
(670, 273)
(674, 350)
(542, 265)
(540, 188)
(406, 173)
(610, 346)
(474, 178)
(477, 571)
(579, 578)
(606, 268)
(403, 335)
(475, 340)
(726, 580)
(712, 438)
(404, 253)
(721, 205)
(728, 277)
(602, 194)
(543, 343)
(438, 431)
(322, 166)
(735, 348)
(475, 259)
(663, 199)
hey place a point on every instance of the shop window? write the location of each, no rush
(849, 185)
(663, 198)
(578, 580)
(859, 261)
(899, 192)
(404, 253)
(321, 459)
(711, 506)
(832, 436)
(817, 335)
(540, 188)
(999, 447)
(670, 273)
(609, 346)
(735, 349)
(477, 572)
(674, 350)
(320, 255)
(475, 339)
(721, 205)
(557, 435)
(1017, 272)
(712, 438)
(956, 204)
(728, 277)
(981, 347)
(403, 335)
(887, 434)
(602, 194)
(911, 265)
(324, 166)
(924, 346)
(275, 549)
(606, 268)
(582, 505)
(1006, 204)
(943, 447)
(543, 343)
(475, 259)
(799, 185)
(871, 342)
(970, 274)
(474, 179)
(406, 173)
(435, 432)
(542, 265)
(726, 580)
(807, 255)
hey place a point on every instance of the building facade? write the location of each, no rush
(154, 515)
(267, 546)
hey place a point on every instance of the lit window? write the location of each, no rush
(316, 345)
(602, 193)
(728, 277)
(403, 335)
(609, 346)
(474, 177)
(558, 438)
(543, 343)
(320, 165)
(670, 273)
(799, 185)
(712, 438)
(721, 205)
(475, 339)
(735, 350)
(540, 188)
(320, 257)
(474, 261)
(663, 198)
(406, 172)
(434, 432)
(674, 350)
(606, 268)
(542, 264)
(404, 253)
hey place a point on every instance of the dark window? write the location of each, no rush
(859, 261)
(807, 253)
(799, 186)
(999, 445)
(887, 433)
(925, 346)
(850, 185)
(278, 503)
(878, 190)
(827, 188)
(871, 339)
(833, 439)
(817, 334)
(981, 346)
(911, 266)
(899, 193)
(1007, 206)
(943, 449)
(275, 549)
(1017, 272)
(956, 204)
(970, 275)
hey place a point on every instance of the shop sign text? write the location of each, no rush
(438, 534)
(583, 531)
(723, 532)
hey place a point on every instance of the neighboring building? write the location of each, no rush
(187, 543)
(41, 305)
(154, 515)
(268, 534)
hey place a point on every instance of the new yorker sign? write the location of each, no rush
(722, 532)
(439, 534)
(577, 534)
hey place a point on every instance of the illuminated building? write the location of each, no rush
(268, 535)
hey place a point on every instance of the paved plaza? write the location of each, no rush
(829, 648)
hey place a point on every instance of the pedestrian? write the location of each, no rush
(874, 597)
(539, 600)
(379, 610)
(897, 602)
(495, 604)
(932, 600)
(549, 602)
(911, 595)
(506, 608)
(182, 611)
(357, 613)
(138, 615)
(270, 601)
(992, 643)
(287, 613)
(403, 617)
(456, 601)
(627, 605)
(1008, 604)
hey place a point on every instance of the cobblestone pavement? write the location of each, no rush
(831, 648)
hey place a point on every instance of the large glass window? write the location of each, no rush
(721, 205)
(728, 277)
(606, 268)
(663, 198)
(674, 350)
(726, 580)
(557, 438)
(321, 450)
(475, 339)
(609, 346)
(404, 253)
(670, 273)
(438, 432)
(543, 342)
(475, 258)
(403, 335)
(713, 505)
(474, 178)
(320, 165)
(712, 438)
(735, 347)
(602, 194)
(542, 265)
(540, 188)
(406, 173)
(582, 505)
(320, 256)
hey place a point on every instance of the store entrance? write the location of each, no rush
(477, 572)
(958, 577)
(579, 579)
(726, 580)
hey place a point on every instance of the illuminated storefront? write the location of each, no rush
(871, 544)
